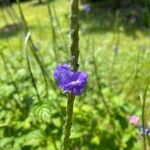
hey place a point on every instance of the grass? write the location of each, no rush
(113, 52)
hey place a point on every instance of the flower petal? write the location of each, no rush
(70, 81)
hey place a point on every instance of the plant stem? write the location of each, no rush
(34, 51)
(29, 67)
(53, 31)
(68, 123)
(74, 29)
(143, 112)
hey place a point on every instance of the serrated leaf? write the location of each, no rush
(42, 112)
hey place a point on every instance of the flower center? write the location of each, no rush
(74, 83)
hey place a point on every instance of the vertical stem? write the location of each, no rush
(74, 29)
(53, 31)
(148, 140)
(68, 123)
(143, 112)
(34, 51)
(74, 33)
(29, 68)
(59, 28)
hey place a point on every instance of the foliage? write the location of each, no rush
(119, 3)
(116, 58)
(8, 2)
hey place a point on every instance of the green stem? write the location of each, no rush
(68, 123)
(74, 29)
(34, 51)
(148, 139)
(143, 112)
(29, 68)
(53, 31)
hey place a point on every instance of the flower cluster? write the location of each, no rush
(144, 130)
(70, 81)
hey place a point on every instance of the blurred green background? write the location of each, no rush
(114, 51)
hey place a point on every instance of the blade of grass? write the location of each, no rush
(60, 29)
(143, 113)
(29, 66)
(53, 31)
(34, 52)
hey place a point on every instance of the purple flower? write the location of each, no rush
(69, 80)
(144, 131)
(62, 74)
(87, 7)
